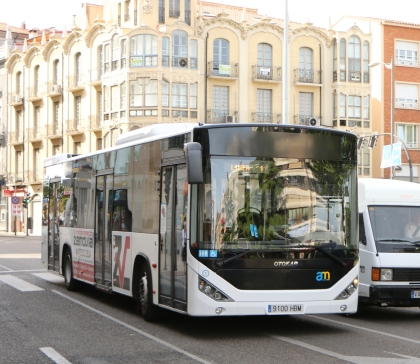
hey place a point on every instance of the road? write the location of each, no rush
(41, 322)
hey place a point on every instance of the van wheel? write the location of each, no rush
(145, 304)
(71, 283)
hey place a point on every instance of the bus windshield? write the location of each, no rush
(275, 203)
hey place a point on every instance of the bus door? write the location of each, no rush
(173, 212)
(54, 200)
(103, 232)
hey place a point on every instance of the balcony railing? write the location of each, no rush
(95, 122)
(74, 126)
(355, 76)
(307, 76)
(35, 134)
(305, 119)
(35, 93)
(15, 98)
(406, 62)
(54, 88)
(33, 176)
(265, 117)
(144, 61)
(16, 137)
(174, 13)
(407, 103)
(96, 76)
(263, 73)
(76, 83)
(222, 116)
(225, 70)
(54, 131)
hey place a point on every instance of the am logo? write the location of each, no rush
(322, 276)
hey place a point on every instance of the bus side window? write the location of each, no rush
(362, 233)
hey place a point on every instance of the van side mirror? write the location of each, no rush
(194, 159)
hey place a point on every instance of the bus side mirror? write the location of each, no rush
(193, 156)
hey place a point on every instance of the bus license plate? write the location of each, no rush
(415, 294)
(284, 309)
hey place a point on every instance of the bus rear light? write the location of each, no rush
(211, 291)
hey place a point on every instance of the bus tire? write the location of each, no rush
(71, 283)
(145, 305)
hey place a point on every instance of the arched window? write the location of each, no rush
(343, 59)
(18, 82)
(221, 57)
(179, 48)
(36, 80)
(78, 68)
(305, 65)
(143, 51)
(354, 58)
(174, 8)
(56, 72)
(264, 56)
(365, 61)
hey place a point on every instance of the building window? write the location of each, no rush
(56, 149)
(406, 53)
(193, 53)
(366, 111)
(56, 117)
(407, 95)
(161, 12)
(354, 58)
(143, 92)
(56, 72)
(143, 51)
(366, 61)
(100, 62)
(165, 52)
(343, 60)
(220, 103)
(99, 144)
(78, 109)
(174, 8)
(193, 96)
(36, 80)
(107, 58)
(179, 95)
(342, 106)
(335, 67)
(106, 99)
(123, 53)
(36, 165)
(221, 65)
(115, 51)
(179, 48)
(305, 107)
(264, 105)
(409, 134)
(305, 65)
(19, 123)
(363, 161)
(18, 82)
(37, 119)
(335, 96)
(99, 105)
(127, 10)
(123, 95)
(77, 147)
(114, 98)
(165, 94)
(188, 12)
(354, 107)
(78, 68)
(19, 164)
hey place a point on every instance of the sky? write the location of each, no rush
(57, 13)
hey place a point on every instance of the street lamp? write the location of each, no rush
(390, 66)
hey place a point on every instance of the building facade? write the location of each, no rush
(130, 64)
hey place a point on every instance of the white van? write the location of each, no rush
(389, 242)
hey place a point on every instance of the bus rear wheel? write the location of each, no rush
(146, 307)
(71, 283)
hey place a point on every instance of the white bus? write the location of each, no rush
(242, 193)
(389, 242)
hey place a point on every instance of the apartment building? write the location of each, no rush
(130, 64)
(395, 79)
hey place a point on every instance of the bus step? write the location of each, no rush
(101, 287)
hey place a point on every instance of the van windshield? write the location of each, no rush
(395, 225)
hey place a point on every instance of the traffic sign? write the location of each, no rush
(16, 210)
(15, 199)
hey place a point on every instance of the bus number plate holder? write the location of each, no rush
(291, 308)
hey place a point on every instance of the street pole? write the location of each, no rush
(14, 193)
(393, 111)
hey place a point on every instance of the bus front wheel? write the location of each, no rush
(145, 302)
(71, 283)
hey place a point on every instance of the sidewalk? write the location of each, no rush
(18, 235)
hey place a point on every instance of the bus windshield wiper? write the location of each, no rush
(241, 254)
(393, 240)
(322, 249)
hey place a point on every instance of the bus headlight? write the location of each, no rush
(212, 291)
(351, 288)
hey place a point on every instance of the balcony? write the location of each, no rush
(222, 116)
(15, 99)
(307, 77)
(16, 137)
(95, 122)
(33, 176)
(222, 70)
(76, 83)
(35, 134)
(262, 73)
(355, 76)
(305, 120)
(174, 13)
(407, 62)
(265, 117)
(54, 131)
(35, 93)
(54, 88)
(75, 127)
(342, 76)
(95, 76)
